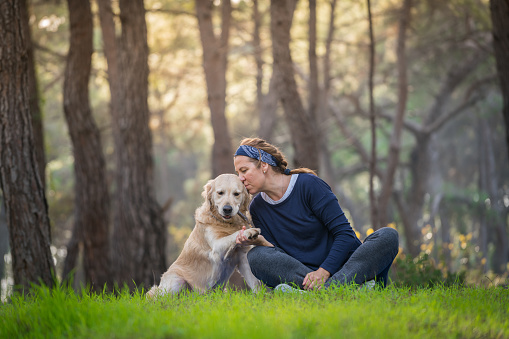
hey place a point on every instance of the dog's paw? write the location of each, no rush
(252, 233)
(153, 292)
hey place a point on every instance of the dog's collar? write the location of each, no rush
(245, 218)
(239, 213)
(219, 219)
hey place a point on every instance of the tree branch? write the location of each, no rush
(444, 118)
(170, 11)
(354, 141)
(49, 51)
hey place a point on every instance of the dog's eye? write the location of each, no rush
(220, 192)
(236, 194)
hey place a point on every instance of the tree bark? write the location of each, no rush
(395, 142)
(372, 117)
(314, 90)
(500, 19)
(266, 103)
(303, 127)
(21, 183)
(493, 213)
(268, 110)
(4, 240)
(256, 16)
(110, 47)
(139, 231)
(91, 218)
(323, 113)
(215, 61)
(37, 122)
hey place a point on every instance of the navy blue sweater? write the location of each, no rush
(309, 225)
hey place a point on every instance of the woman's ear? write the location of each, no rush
(265, 167)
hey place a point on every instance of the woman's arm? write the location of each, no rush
(344, 238)
(326, 208)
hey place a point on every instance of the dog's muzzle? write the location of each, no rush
(227, 211)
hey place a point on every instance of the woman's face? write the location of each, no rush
(251, 176)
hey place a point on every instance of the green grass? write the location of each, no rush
(443, 312)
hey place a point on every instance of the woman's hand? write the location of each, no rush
(241, 239)
(316, 279)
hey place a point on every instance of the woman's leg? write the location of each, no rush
(273, 266)
(371, 259)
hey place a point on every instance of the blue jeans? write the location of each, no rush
(371, 260)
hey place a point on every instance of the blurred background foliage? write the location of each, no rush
(442, 36)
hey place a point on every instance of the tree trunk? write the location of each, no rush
(493, 205)
(139, 232)
(420, 167)
(215, 60)
(395, 143)
(71, 262)
(500, 19)
(422, 157)
(37, 123)
(268, 110)
(91, 189)
(314, 90)
(4, 240)
(323, 114)
(372, 118)
(266, 104)
(110, 47)
(302, 126)
(23, 191)
(258, 54)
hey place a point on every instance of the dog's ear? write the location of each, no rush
(207, 192)
(246, 201)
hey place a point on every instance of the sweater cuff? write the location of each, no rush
(329, 268)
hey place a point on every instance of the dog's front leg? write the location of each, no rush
(244, 269)
(230, 252)
(251, 233)
(222, 247)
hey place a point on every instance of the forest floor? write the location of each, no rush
(347, 312)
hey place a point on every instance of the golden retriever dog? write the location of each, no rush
(210, 254)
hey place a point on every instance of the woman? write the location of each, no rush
(314, 244)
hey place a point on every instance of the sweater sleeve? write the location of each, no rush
(258, 224)
(328, 210)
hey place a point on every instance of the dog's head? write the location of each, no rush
(226, 196)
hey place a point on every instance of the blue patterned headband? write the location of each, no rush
(256, 153)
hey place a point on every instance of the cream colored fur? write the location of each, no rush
(210, 254)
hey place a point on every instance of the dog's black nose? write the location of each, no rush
(227, 209)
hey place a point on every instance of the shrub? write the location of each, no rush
(422, 272)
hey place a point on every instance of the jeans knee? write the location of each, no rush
(254, 257)
(391, 237)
